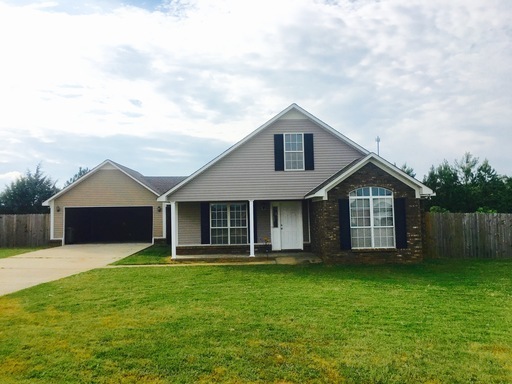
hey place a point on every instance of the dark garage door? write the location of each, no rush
(109, 225)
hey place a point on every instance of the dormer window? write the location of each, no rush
(293, 152)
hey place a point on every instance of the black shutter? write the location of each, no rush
(168, 220)
(400, 224)
(344, 216)
(309, 155)
(205, 223)
(279, 152)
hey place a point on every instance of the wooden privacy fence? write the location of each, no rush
(24, 230)
(468, 235)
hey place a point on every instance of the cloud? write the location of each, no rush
(432, 79)
(9, 177)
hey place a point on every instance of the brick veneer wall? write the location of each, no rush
(325, 223)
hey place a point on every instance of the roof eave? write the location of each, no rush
(46, 203)
(421, 190)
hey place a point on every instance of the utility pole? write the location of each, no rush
(377, 139)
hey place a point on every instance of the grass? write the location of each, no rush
(8, 252)
(156, 254)
(438, 322)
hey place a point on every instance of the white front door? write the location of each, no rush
(286, 224)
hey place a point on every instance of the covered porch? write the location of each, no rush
(249, 228)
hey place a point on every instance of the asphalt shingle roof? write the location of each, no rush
(159, 184)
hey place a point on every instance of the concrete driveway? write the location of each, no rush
(33, 268)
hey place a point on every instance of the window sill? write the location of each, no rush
(370, 250)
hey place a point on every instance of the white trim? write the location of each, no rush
(52, 220)
(421, 190)
(164, 220)
(173, 230)
(293, 106)
(63, 210)
(285, 152)
(251, 228)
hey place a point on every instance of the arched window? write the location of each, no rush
(372, 222)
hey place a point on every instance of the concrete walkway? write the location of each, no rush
(33, 268)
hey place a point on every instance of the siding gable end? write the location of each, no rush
(248, 169)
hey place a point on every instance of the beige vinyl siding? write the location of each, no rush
(248, 171)
(107, 188)
(189, 223)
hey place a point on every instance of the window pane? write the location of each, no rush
(219, 236)
(361, 238)
(238, 215)
(384, 237)
(275, 217)
(294, 160)
(219, 215)
(360, 213)
(238, 236)
(382, 212)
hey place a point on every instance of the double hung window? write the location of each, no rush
(372, 218)
(294, 151)
(228, 223)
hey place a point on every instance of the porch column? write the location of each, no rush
(173, 230)
(251, 228)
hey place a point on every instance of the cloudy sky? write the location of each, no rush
(164, 86)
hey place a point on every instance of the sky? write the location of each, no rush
(163, 87)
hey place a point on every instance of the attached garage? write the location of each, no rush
(110, 204)
(108, 225)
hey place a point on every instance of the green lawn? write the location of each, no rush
(156, 254)
(438, 322)
(8, 252)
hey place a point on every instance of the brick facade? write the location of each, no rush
(325, 223)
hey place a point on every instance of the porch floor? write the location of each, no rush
(270, 258)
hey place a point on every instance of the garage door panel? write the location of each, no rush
(108, 225)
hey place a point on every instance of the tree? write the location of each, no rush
(444, 181)
(466, 168)
(469, 186)
(408, 170)
(81, 172)
(27, 194)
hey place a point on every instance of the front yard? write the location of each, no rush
(439, 322)
(8, 252)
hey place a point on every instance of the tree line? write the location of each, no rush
(466, 185)
(26, 194)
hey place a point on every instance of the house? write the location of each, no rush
(298, 184)
(294, 184)
(111, 203)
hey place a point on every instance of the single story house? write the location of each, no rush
(293, 184)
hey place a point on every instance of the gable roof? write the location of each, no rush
(155, 184)
(292, 108)
(321, 191)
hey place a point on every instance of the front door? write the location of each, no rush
(286, 224)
